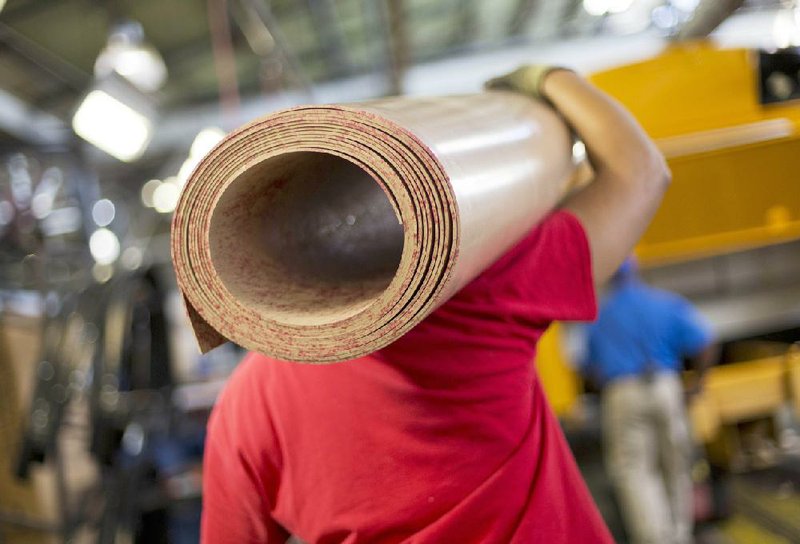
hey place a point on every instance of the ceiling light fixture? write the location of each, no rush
(129, 55)
(598, 8)
(166, 195)
(204, 142)
(112, 126)
(114, 117)
(104, 246)
(786, 28)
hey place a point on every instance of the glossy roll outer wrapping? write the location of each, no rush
(324, 233)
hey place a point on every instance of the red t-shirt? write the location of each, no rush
(443, 436)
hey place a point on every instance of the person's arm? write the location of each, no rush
(695, 341)
(701, 362)
(630, 174)
(239, 478)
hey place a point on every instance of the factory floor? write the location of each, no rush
(763, 506)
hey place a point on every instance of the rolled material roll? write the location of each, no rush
(324, 233)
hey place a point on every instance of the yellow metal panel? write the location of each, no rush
(726, 201)
(741, 530)
(561, 384)
(745, 390)
(733, 160)
(734, 165)
(793, 376)
(687, 88)
(705, 418)
(739, 391)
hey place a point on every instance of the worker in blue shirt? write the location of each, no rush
(635, 354)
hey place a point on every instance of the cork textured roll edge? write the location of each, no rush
(324, 233)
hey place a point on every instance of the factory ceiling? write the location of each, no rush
(48, 49)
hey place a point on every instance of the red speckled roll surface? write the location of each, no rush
(323, 233)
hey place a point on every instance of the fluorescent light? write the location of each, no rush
(578, 151)
(104, 246)
(186, 168)
(665, 17)
(596, 7)
(619, 6)
(142, 66)
(102, 272)
(103, 212)
(165, 197)
(148, 189)
(41, 205)
(205, 141)
(130, 56)
(685, 5)
(785, 28)
(114, 127)
(132, 258)
(601, 7)
(62, 221)
(6, 211)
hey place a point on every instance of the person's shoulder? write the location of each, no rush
(635, 294)
(242, 414)
(252, 366)
(640, 289)
(669, 297)
(245, 382)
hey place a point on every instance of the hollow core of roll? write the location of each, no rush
(305, 238)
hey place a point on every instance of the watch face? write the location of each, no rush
(779, 75)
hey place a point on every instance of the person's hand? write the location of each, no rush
(694, 390)
(527, 79)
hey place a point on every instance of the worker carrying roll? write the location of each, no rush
(419, 240)
(324, 233)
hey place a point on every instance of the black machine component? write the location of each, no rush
(116, 334)
(69, 342)
(779, 75)
(133, 362)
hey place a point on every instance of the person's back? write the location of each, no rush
(635, 353)
(643, 329)
(438, 438)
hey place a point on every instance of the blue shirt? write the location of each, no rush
(640, 327)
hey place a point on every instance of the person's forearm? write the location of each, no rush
(630, 174)
(615, 142)
(705, 359)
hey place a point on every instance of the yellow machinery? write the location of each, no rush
(734, 151)
(733, 160)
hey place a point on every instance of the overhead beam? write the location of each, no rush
(30, 125)
(44, 59)
(570, 12)
(708, 15)
(13, 11)
(295, 71)
(331, 40)
(399, 47)
(467, 24)
(376, 40)
(521, 15)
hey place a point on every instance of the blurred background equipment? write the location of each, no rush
(107, 107)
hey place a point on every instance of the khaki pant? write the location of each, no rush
(647, 447)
